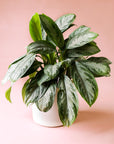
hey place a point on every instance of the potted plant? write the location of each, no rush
(57, 68)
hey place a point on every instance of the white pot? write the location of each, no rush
(50, 118)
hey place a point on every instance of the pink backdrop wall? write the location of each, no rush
(93, 125)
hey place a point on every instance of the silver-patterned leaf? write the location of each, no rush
(41, 47)
(103, 60)
(34, 92)
(21, 67)
(41, 77)
(85, 82)
(36, 64)
(52, 70)
(46, 101)
(80, 30)
(65, 21)
(86, 50)
(67, 101)
(97, 66)
(52, 30)
(80, 38)
(11, 68)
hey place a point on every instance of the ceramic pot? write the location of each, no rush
(50, 118)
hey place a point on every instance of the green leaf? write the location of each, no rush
(34, 92)
(80, 39)
(52, 30)
(52, 70)
(65, 21)
(46, 101)
(86, 50)
(81, 29)
(97, 66)
(52, 58)
(32, 74)
(85, 82)
(43, 33)
(7, 94)
(30, 95)
(11, 68)
(24, 89)
(42, 77)
(103, 60)
(22, 67)
(69, 27)
(17, 60)
(35, 28)
(50, 40)
(67, 62)
(36, 64)
(15, 65)
(41, 47)
(67, 101)
(7, 76)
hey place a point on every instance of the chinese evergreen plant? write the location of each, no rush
(52, 62)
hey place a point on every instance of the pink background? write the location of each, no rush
(93, 125)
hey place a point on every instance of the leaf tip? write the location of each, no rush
(3, 82)
(96, 35)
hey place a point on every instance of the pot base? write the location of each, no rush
(48, 119)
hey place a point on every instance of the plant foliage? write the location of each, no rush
(54, 64)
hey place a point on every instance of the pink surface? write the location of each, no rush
(93, 125)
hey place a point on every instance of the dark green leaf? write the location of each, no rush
(7, 94)
(65, 21)
(36, 64)
(52, 70)
(46, 101)
(85, 82)
(69, 27)
(24, 89)
(42, 77)
(35, 27)
(39, 78)
(67, 62)
(50, 40)
(52, 30)
(11, 68)
(67, 101)
(103, 60)
(80, 38)
(41, 47)
(31, 95)
(31, 91)
(34, 92)
(97, 66)
(21, 67)
(43, 33)
(86, 50)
